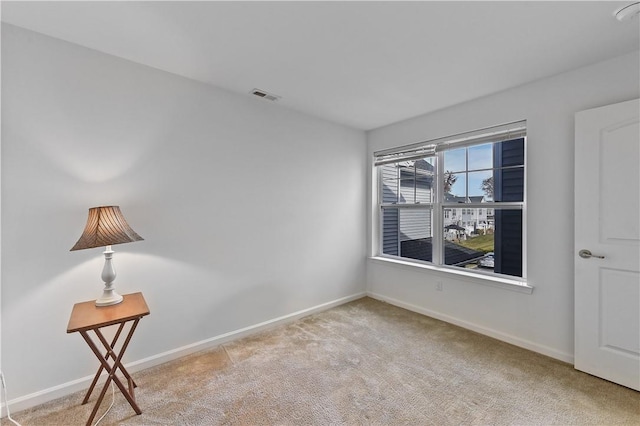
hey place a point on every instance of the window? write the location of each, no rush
(421, 187)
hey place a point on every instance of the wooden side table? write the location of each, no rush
(86, 317)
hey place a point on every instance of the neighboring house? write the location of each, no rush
(508, 186)
(406, 182)
(470, 219)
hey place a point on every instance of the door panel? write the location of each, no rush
(619, 325)
(620, 178)
(607, 223)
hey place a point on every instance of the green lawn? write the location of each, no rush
(483, 243)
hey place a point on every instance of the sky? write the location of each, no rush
(477, 157)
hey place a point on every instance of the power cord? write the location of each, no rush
(6, 401)
(113, 400)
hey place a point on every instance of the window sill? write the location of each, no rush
(493, 281)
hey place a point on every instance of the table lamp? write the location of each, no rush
(106, 226)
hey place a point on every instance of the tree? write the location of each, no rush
(487, 187)
(449, 180)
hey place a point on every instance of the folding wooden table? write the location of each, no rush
(86, 317)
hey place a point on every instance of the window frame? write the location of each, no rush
(438, 206)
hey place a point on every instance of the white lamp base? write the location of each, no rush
(109, 295)
(109, 298)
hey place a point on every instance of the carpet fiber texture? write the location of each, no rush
(365, 362)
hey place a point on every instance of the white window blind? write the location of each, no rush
(415, 151)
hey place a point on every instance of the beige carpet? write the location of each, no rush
(365, 362)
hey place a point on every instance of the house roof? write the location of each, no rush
(450, 198)
(424, 165)
(454, 254)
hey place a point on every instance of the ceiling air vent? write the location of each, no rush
(265, 95)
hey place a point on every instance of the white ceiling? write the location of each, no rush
(363, 64)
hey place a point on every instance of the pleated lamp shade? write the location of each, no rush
(105, 226)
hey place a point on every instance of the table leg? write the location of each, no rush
(112, 369)
(99, 401)
(118, 363)
(99, 372)
(106, 357)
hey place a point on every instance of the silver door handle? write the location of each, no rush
(586, 254)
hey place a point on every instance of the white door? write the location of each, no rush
(607, 224)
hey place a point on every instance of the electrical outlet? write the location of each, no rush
(439, 285)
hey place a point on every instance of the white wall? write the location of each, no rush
(543, 320)
(249, 211)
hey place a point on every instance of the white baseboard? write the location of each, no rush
(46, 395)
(526, 344)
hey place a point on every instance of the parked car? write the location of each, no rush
(487, 261)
